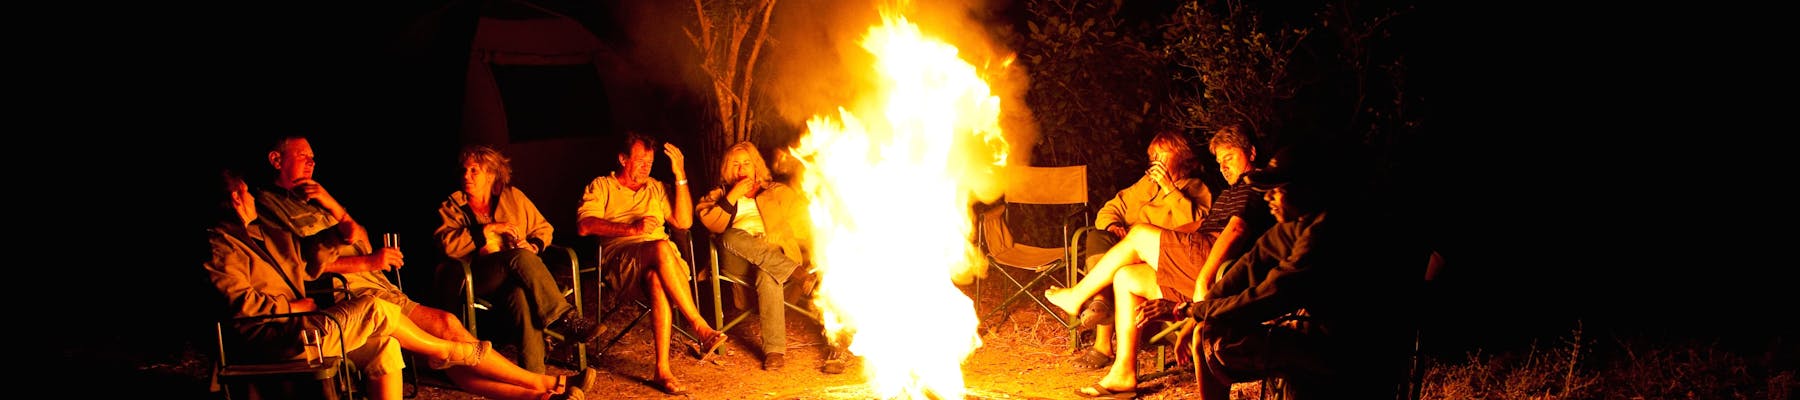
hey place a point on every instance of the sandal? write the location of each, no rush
(458, 358)
(583, 381)
(1096, 391)
(710, 345)
(1093, 359)
(1096, 312)
(569, 395)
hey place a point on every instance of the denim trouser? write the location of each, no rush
(773, 269)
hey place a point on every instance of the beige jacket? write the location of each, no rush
(784, 214)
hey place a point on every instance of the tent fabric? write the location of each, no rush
(536, 41)
(553, 40)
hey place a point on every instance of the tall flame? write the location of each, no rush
(891, 188)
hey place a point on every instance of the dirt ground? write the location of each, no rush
(1027, 356)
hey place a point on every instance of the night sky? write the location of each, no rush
(1555, 204)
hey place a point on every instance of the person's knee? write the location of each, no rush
(517, 256)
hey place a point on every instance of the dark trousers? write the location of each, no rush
(526, 295)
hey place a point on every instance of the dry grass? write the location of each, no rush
(1630, 368)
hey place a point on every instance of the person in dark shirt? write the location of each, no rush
(1316, 301)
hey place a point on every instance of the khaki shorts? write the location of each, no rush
(627, 266)
(1179, 261)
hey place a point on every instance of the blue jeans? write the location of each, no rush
(772, 271)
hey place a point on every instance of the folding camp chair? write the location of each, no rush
(321, 375)
(469, 304)
(737, 272)
(684, 241)
(1059, 197)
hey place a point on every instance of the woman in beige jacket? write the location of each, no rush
(764, 223)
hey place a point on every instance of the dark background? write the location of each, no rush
(1579, 184)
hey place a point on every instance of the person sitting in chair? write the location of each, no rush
(258, 269)
(1167, 197)
(1181, 261)
(333, 242)
(627, 210)
(764, 223)
(491, 226)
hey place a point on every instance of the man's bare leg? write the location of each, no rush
(445, 325)
(389, 386)
(1142, 245)
(664, 320)
(1133, 285)
(674, 281)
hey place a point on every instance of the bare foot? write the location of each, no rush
(668, 386)
(1062, 298)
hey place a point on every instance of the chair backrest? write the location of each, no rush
(1030, 226)
(1046, 185)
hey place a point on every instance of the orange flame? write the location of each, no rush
(891, 190)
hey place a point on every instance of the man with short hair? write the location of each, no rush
(335, 243)
(627, 210)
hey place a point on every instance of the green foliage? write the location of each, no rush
(1093, 86)
(1229, 68)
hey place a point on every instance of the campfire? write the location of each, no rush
(892, 178)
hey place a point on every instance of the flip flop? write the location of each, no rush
(1095, 391)
(710, 345)
(1093, 359)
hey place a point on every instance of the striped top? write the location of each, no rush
(1241, 201)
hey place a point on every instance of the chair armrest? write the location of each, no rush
(219, 328)
(1172, 329)
(574, 270)
(325, 290)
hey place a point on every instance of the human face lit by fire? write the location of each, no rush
(637, 164)
(738, 166)
(294, 163)
(243, 202)
(1233, 162)
(1278, 205)
(478, 180)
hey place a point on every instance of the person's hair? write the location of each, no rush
(1232, 136)
(728, 175)
(632, 137)
(281, 141)
(493, 161)
(1184, 162)
(1310, 186)
(229, 181)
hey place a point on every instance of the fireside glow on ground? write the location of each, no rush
(891, 184)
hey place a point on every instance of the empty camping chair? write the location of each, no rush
(1035, 199)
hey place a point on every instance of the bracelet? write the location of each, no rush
(681, 182)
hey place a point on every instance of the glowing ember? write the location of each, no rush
(891, 186)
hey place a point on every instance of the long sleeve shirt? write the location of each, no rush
(1141, 203)
(782, 208)
(1347, 274)
(511, 206)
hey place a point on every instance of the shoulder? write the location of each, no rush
(514, 194)
(601, 181)
(456, 199)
